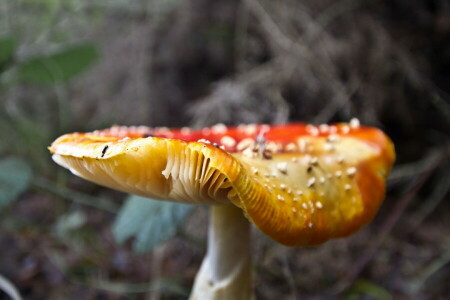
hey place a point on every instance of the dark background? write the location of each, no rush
(199, 62)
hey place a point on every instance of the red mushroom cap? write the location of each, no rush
(299, 184)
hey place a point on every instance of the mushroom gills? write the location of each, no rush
(173, 171)
(192, 178)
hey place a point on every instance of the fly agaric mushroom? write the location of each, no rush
(299, 184)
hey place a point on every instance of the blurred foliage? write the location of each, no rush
(365, 288)
(15, 176)
(7, 47)
(25, 133)
(69, 223)
(58, 67)
(149, 221)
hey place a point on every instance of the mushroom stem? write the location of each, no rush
(226, 271)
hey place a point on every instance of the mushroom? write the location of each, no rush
(299, 184)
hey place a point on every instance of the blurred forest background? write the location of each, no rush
(80, 65)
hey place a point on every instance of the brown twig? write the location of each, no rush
(294, 51)
(441, 188)
(156, 271)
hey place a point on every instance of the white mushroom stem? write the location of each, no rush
(226, 271)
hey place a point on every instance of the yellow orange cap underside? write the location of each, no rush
(320, 186)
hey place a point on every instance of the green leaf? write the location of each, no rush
(7, 48)
(58, 67)
(368, 288)
(15, 176)
(149, 221)
(69, 223)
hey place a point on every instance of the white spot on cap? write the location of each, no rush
(294, 209)
(185, 130)
(351, 171)
(249, 129)
(347, 187)
(204, 141)
(255, 171)
(245, 144)
(338, 173)
(283, 186)
(328, 147)
(291, 147)
(333, 138)
(282, 167)
(228, 141)
(264, 128)
(279, 197)
(324, 128)
(304, 205)
(219, 128)
(273, 147)
(345, 129)
(249, 153)
(143, 129)
(313, 160)
(311, 181)
(164, 131)
(206, 131)
(354, 123)
(303, 144)
(319, 204)
(312, 130)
